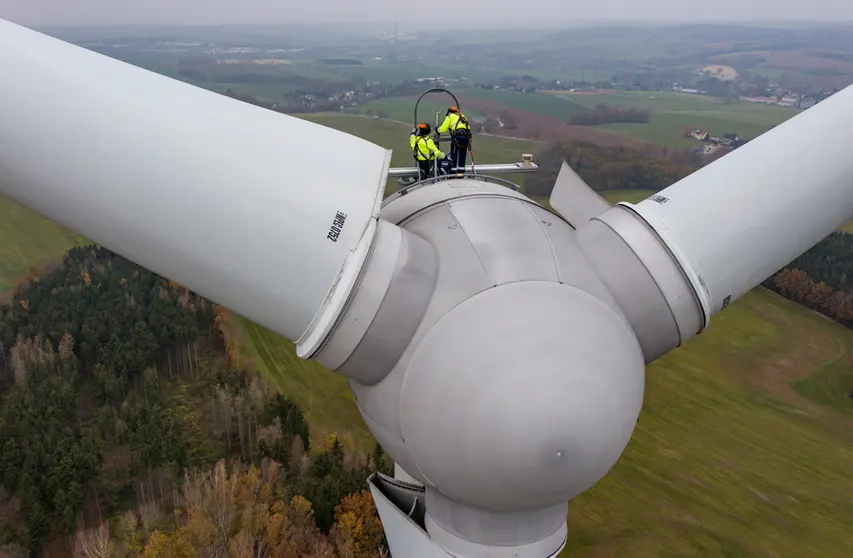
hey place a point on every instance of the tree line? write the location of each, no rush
(821, 278)
(123, 404)
(605, 114)
(610, 168)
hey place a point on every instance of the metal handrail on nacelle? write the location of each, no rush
(418, 102)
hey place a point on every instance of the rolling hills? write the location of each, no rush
(743, 447)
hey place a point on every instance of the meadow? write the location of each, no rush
(558, 108)
(395, 136)
(26, 240)
(402, 109)
(743, 447)
(727, 458)
(672, 112)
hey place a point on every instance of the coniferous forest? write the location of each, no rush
(126, 430)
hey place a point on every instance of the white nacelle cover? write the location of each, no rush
(267, 214)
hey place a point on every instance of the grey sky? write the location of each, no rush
(548, 12)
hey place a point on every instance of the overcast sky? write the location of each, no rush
(53, 12)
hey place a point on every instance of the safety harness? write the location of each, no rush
(458, 132)
(417, 150)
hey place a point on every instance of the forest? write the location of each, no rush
(127, 429)
(821, 279)
(610, 168)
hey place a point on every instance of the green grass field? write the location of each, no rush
(558, 108)
(743, 448)
(671, 112)
(395, 136)
(26, 239)
(413, 69)
(324, 396)
(402, 109)
(727, 459)
(630, 196)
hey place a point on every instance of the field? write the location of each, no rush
(26, 240)
(402, 108)
(525, 124)
(561, 109)
(672, 112)
(411, 69)
(395, 136)
(325, 396)
(727, 458)
(817, 67)
(543, 115)
(630, 196)
(743, 447)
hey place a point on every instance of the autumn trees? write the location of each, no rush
(796, 285)
(357, 531)
(821, 278)
(127, 416)
(247, 511)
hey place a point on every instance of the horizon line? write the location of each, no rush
(515, 24)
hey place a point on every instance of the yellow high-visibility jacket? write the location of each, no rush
(424, 148)
(452, 122)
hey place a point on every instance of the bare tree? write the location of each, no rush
(150, 514)
(94, 543)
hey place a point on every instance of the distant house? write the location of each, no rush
(733, 140)
(700, 135)
(765, 100)
(806, 102)
(788, 101)
(688, 90)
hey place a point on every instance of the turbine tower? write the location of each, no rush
(495, 348)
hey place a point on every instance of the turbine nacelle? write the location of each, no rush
(502, 373)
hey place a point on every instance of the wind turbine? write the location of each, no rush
(496, 349)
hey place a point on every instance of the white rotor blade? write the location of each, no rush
(267, 214)
(740, 219)
(574, 199)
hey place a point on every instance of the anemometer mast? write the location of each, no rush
(495, 348)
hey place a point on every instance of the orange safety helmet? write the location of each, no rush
(453, 109)
(424, 128)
